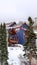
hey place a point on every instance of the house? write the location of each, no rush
(17, 37)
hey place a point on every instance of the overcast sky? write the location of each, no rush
(15, 10)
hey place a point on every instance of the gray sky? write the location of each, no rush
(15, 10)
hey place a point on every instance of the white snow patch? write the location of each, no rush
(13, 53)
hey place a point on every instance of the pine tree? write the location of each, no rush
(4, 52)
(0, 38)
(1, 47)
(0, 43)
(30, 36)
(5, 44)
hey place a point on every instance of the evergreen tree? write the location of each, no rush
(0, 43)
(30, 36)
(0, 38)
(1, 47)
(5, 44)
(4, 52)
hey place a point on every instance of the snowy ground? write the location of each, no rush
(13, 55)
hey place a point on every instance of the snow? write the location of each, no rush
(13, 54)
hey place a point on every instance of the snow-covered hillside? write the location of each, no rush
(13, 54)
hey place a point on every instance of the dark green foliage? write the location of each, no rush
(31, 36)
(30, 21)
(3, 46)
(6, 63)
